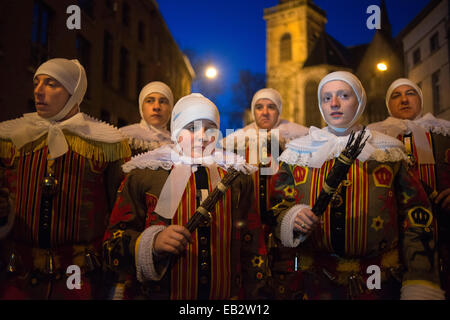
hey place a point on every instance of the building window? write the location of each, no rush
(87, 6)
(141, 32)
(140, 70)
(84, 56)
(436, 86)
(125, 14)
(416, 56)
(39, 33)
(434, 42)
(123, 71)
(312, 113)
(285, 48)
(108, 50)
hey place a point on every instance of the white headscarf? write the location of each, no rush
(190, 108)
(155, 86)
(143, 135)
(357, 87)
(404, 82)
(395, 126)
(271, 94)
(71, 74)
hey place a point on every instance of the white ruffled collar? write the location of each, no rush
(419, 127)
(320, 145)
(394, 126)
(168, 156)
(143, 136)
(80, 124)
(433, 124)
(31, 127)
(287, 132)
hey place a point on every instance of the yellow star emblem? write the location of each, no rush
(257, 261)
(377, 223)
(289, 191)
(118, 234)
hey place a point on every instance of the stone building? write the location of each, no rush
(122, 44)
(426, 56)
(300, 53)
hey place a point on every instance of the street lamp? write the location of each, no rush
(382, 66)
(211, 72)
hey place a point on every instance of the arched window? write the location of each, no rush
(312, 112)
(285, 47)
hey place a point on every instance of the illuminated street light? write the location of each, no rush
(382, 66)
(211, 72)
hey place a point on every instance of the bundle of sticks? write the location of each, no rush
(202, 213)
(339, 171)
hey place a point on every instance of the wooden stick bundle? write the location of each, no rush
(203, 211)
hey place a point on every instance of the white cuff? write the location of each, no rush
(118, 291)
(421, 292)
(145, 267)
(6, 229)
(287, 227)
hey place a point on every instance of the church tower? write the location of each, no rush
(292, 29)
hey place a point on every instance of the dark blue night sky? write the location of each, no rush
(232, 33)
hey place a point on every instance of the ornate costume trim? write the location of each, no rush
(99, 151)
(90, 149)
(7, 149)
(383, 176)
(420, 217)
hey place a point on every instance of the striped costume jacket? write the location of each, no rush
(380, 216)
(434, 177)
(258, 150)
(225, 260)
(51, 232)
